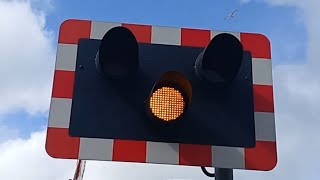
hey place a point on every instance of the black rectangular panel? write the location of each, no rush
(103, 109)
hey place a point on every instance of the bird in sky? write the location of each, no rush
(231, 15)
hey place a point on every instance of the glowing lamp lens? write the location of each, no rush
(167, 103)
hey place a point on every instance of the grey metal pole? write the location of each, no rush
(223, 174)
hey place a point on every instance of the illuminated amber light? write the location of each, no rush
(167, 103)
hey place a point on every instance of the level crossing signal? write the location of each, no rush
(151, 94)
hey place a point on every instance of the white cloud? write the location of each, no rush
(27, 159)
(26, 58)
(45, 5)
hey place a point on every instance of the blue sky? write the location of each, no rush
(25, 96)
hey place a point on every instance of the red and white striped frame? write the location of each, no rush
(60, 145)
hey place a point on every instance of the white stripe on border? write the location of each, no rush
(59, 115)
(166, 35)
(265, 126)
(96, 149)
(99, 29)
(262, 71)
(214, 33)
(162, 153)
(228, 157)
(66, 57)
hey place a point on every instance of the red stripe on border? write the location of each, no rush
(195, 155)
(129, 151)
(141, 32)
(195, 37)
(72, 30)
(258, 44)
(60, 145)
(263, 98)
(262, 157)
(63, 83)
